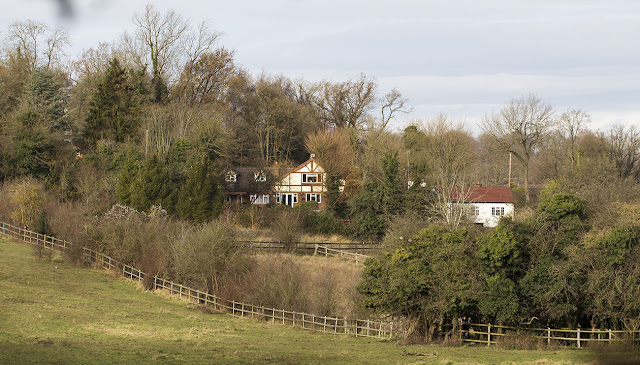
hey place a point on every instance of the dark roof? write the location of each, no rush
(486, 194)
(245, 181)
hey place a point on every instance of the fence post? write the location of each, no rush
(578, 337)
(609, 335)
(548, 336)
(489, 334)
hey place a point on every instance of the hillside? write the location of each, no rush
(55, 313)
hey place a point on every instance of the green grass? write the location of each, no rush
(54, 313)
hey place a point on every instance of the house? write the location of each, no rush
(485, 205)
(302, 184)
(246, 185)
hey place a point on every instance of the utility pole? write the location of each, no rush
(509, 168)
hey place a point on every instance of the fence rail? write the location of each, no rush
(310, 246)
(333, 325)
(491, 334)
(330, 252)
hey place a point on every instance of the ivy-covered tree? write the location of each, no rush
(114, 112)
(378, 201)
(200, 198)
(430, 281)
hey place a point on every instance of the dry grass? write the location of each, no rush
(319, 285)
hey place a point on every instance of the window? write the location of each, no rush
(260, 176)
(311, 178)
(230, 176)
(497, 211)
(475, 210)
(313, 198)
(260, 199)
(278, 198)
(227, 198)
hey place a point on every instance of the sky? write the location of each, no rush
(463, 58)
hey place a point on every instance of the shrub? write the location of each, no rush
(561, 205)
(28, 199)
(288, 228)
(209, 256)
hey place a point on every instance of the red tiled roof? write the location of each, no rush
(486, 194)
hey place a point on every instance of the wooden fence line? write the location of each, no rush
(326, 251)
(333, 325)
(490, 334)
(309, 246)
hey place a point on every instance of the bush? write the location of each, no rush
(305, 284)
(28, 198)
(288, 228)
(561, 205)
(209, 257)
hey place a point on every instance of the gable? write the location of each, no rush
(309, 166)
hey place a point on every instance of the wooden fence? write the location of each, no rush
(326, 251)
(310, 246)
(492, 334)
(334, 325)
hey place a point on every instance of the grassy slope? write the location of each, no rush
(63, 315)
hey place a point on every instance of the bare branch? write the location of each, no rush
(392, 103)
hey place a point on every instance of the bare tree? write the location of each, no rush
(169, 41)
(202, 40)
(450, 152)
(625, 150)
(392, 103)
(40, 45)
(332, 148)
(570, 124)
(208, 79)
(344, 104)
(161, 34)
(519, 127)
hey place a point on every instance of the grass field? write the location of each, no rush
(54, 313)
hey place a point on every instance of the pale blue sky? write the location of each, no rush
(462, 58)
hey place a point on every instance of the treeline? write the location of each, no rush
(158, 116)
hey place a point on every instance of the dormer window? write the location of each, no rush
(260, 176)
(311, 178)
(230, 176)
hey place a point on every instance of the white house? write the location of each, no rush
(487, 204)
(301, 184)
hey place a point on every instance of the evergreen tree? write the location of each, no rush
(113, 113)
(201, 196)
(152, 185)
(39, 122)
(373, 206)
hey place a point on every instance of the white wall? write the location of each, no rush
(485, 217)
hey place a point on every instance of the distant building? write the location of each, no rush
(302, 184)
(306, 182)
(487, 204)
